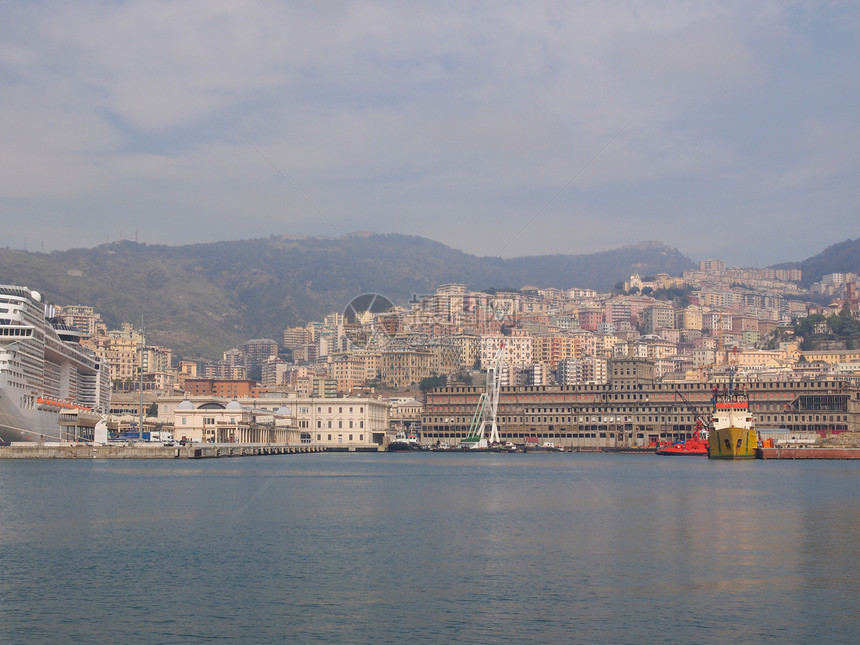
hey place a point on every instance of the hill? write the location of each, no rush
(843, 257)
(202, 299)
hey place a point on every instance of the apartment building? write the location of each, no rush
(404, 367)
(224, 388)
(658, 316)
(293, 337)
(552, 348)
(256, 351)
(84, 318)
(518, 349)
(274, 372)
(350, 371)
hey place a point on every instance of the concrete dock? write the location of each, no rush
(148, 451)
(808, 453)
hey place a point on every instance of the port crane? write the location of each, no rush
(702, 421)
(487, 408)
(695, 445)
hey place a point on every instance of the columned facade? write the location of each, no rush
(347, 423)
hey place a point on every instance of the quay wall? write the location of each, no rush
(808, 453)
(147, 451)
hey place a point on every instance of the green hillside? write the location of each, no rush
(202, 299)
(843, 257)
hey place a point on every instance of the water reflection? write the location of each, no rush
(430, 548)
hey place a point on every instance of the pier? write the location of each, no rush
(795, 452)
(149, 451)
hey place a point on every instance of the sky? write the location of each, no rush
(727, 130)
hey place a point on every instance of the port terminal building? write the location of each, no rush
(343, 423)
(634, 409)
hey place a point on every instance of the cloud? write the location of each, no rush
(456, 122)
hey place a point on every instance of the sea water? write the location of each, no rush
(430, 548)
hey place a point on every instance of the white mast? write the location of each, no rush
(494, 386)
(488, 405)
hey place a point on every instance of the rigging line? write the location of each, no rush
(607, 499)
(307, 199)
(545, 206)
(262, 488)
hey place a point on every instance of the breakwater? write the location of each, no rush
(148, 451)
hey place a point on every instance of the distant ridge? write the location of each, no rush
(842, 257)
(202, 299)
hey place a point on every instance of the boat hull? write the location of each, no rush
(473, 443)
(402, 446)
(26, 425)
(699, 449)
(732, 443)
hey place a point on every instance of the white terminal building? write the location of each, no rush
(348, 423)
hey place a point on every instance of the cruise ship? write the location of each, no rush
(44, 370)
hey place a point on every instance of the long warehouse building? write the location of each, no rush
(634, 409)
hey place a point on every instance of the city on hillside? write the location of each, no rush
(690, 328)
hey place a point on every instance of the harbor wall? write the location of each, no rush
(808, 453)
(147, 451)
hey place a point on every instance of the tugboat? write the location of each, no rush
(403, 442)
(697, 445)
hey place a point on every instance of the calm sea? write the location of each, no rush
(430, 548)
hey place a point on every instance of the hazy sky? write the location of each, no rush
(725, 129)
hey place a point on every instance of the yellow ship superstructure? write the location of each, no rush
(732, 434)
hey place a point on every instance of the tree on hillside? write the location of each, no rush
(428, 383)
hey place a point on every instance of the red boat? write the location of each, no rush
(696, 445)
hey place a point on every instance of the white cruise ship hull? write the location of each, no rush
(27, 425)
(44, 370)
